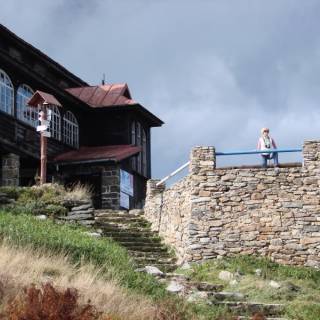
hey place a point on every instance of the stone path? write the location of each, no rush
(213, 294)
(132, 231)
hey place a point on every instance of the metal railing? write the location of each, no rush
(231, 153)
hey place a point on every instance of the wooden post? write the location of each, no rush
(43, 143)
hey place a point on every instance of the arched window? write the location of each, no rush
(55, 123)
(70, 130)
(6, 93)
(24, 112)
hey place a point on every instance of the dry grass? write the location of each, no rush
(78, 192)
(21, 267)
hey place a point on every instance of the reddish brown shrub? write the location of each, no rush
(1, 291)
(47, 303)
(258, 316)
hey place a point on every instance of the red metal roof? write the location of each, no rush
(113, 153)
(104, 96)
(40, 97)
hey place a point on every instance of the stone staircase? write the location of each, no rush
(132, 231)
(214, 294)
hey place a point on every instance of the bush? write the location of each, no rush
(49, 303)
(78, 192)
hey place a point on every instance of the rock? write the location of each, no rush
(205, 286)
(175, 287)
(258, 272)
(82, 207)
(233, 282)
(78, 217)
(136, 211)
(85, 222)
(74, 213)
(225, 275)
(41, 217)
(292, 287)
(93, 234)
(186, 266)
(274, 284)
(153, 270)
(197, 296)
(230, 296)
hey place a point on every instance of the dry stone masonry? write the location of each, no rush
(214, 212)
(10, 170)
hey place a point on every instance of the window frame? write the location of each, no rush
(55, 123)
(6, 86)
(70, 133)
(26, 113)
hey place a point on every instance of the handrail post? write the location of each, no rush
(202, 160)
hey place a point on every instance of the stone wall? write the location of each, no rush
(10, 169)
(110, 193)
(213, 212)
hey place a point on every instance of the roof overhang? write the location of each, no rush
(97, 154)
(154, 120)
(40, 98)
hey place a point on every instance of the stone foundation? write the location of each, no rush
(213, 212)
(110, 193)
(10, 169)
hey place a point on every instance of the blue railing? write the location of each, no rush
(232, 153)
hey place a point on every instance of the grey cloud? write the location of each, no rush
(215, 71)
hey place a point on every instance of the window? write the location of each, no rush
(6, 93)
(24, 112)
(70, 130)
(55, 123)
(133, 141)
(139, 138)
(139, 144)
(144, 153)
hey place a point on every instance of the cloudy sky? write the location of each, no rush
(215, 71)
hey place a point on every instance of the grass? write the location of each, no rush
(113, 260)
(21, 267)
(51, 199)
(299, 286)
(111, 268)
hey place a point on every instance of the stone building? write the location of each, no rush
(100, 136)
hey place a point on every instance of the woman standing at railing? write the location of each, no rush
(266, 142)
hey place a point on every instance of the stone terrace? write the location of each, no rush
(219, 212)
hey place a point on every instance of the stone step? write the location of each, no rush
(155, 255)
(120, 219)
(267, 318)
(207, 287)
(122, 216)
(134, 231)
(134, 247)
(225, 295)
(155, 260)
(137, 243)
(125, 238)
(268, 309)
(164, 267)
(123, 225)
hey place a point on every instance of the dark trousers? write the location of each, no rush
(265, 159)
